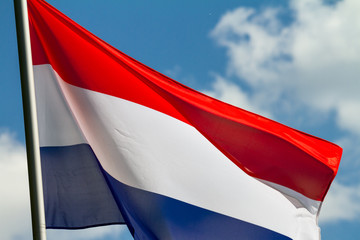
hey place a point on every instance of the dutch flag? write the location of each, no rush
(124, 144)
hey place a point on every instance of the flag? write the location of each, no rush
(122, 143)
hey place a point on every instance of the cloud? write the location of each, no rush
(313, 60)
(231, 93)
(15, 219)
(105, 232)
(307, 66)
(173, 72)
(341, 203)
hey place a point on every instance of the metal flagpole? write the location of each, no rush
(30, 120)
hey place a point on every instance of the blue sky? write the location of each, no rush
(294, 61)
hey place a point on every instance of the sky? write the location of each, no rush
(296, 62)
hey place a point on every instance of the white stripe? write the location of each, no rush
(149, 150)
(298, 200)
(57, 126)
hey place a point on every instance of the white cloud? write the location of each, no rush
(313, 60)
(231, 93)
(105, 232)
(14, 202)
(341, 203)
(309, 66)
(253, 41)
(174, 72)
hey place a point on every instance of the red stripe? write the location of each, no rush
(261, 147)
(38, 53)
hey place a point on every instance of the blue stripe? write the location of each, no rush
(154, 216)
(76, 194)
(74, 197)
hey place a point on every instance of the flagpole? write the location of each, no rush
(30, 120)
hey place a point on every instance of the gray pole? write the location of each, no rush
(30, 120)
